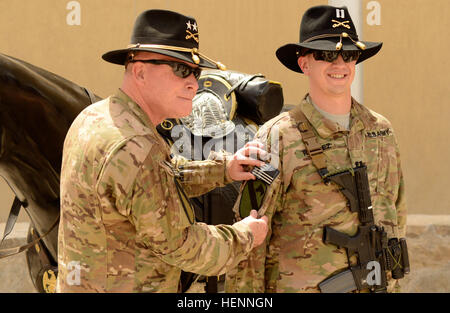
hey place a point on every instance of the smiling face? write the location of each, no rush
(328, 79)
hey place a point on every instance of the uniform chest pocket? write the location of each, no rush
(178, 202)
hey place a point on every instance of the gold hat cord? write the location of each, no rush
(194, 52)
(339, 45)
(359, 44)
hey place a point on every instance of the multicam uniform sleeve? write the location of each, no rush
(400, 203)
(144, 192)
(199, 177)
(260, 270)
(401, 209)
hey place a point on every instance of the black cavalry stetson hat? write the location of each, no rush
(326, 28)
(168, 33)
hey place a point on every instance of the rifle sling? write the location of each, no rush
(313, 147)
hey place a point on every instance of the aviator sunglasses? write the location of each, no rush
(179, 69)
(330, 56)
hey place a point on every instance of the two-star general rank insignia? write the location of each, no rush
(192, 31)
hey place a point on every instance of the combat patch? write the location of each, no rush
(255, 190)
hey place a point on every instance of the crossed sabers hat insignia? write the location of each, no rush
(194, 28)
(338, 23)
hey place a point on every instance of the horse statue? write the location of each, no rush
(37, 108)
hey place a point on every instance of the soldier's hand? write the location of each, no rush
(258, 226)
(246, 156)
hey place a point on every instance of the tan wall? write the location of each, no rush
(408, 81)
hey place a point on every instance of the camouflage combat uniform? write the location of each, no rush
(123, 222)
(299, 204)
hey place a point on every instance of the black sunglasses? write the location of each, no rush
(181, 70)
(330, 56)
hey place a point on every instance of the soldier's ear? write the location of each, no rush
(138, 72)
(303, 64)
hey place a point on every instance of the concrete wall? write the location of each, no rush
(407, 81)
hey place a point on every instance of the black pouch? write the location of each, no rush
(258, 98)
(397, 257)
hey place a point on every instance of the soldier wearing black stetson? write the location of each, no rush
(126, 222)
(337, 212)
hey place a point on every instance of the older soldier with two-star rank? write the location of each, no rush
(126, 221)
(337, 214)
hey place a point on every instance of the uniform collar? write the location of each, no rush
(135, 109)
(363, 115)
(360, 118)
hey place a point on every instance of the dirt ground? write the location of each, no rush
(429, 255)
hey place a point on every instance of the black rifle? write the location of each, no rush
(375, 253)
